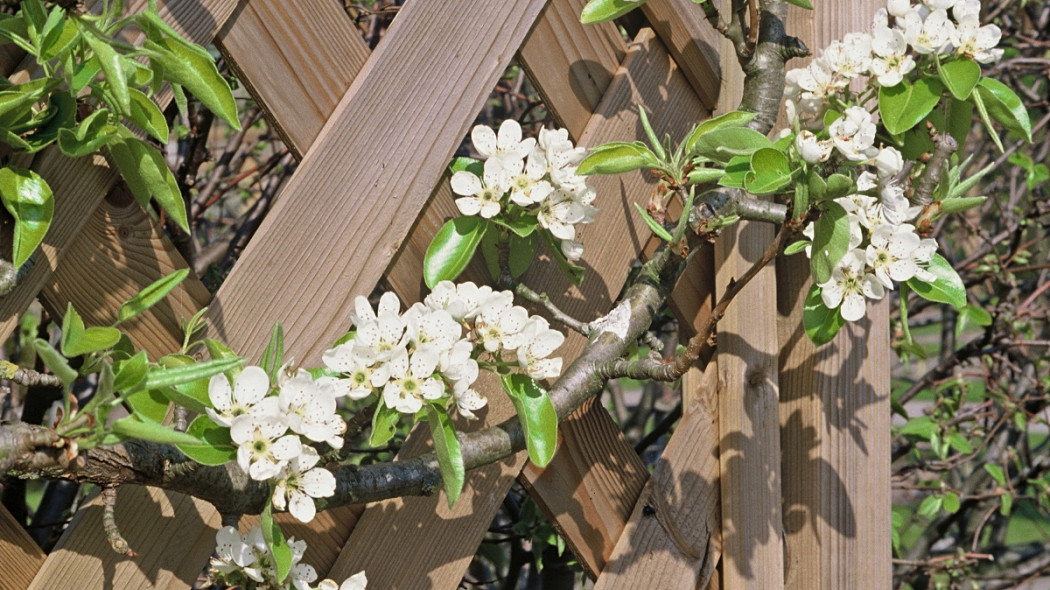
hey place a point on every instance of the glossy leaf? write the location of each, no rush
(1005, 107)
(654, 141)
(213, 445)
(384, 424)
(273, 354)
(617, 158)
(960, 76)
(192, 68)
(89, 135)
(947, 288)
(903, 106)
(29, 200)
(110, 62)
(148, 176)
(831, 237)
(279, 549)
(447, 449)
(150, 295)
(452, 248)
(821, 324)
(600, 11)
(536, 414)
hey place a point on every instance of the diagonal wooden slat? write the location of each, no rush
(18, 552)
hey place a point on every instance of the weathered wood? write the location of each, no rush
(297, 59)
(672, 538)
(117, 253)
(692, 42)
(19, 554)
(156, 524)
(835, 409)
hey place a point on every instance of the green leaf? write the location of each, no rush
(452, 248)
(770, 172)
(960, 77)
(273, 355)
(110, 61)
(830, 241)
(959, 443)
(282, 553)
(704, 175)
(213, 446)
(600, 11)
(982, 109)
(996, 472)
(148, 176)
(147, 116)
(725, 143)
(730, 119)
(89, 135)
(134, 427)
(150, 295)
(903, 106)
(179, 375)
(922, 427)
(616, 158)
(449, 455)
(521, 251)
(131, 373)
(960, 204)
(150, 404)
(1005, 107)
(28, 199)
(654, 141)
(799, 246)
(821, 323)
(77, 341)
(951, 502)
(1006, 502)
(801, 4)
(60, 114)
(192, 68)
(571, 270)
(946, 288)
(736, 172)
(55, 361)
(463, 164)
(931, 505)
(384, 424)
(655, 227)
(536, 414)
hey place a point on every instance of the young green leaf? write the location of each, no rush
(149, 404)
(725, 143)
(831, 237)
(110, 61)
(384, 424)
(960, 77)
(150, 295)
(273, 355)
(55, 361)
(28, 198)
(134, 427)
(770, 172)
(655, 227)
(996, 472)
(730, 119)
(282, 553)
(130, 373)
(947, 288)
(447, 449)
(536, 414)
(452, 248)
(147, 116)
(617, 158)
(89, 135)
(654, 141)
(600, 11)
(1005, 107)
(213, 446)
(192, 68)
(904, 105)
(148, 176)
(179, 375)
(821, 324)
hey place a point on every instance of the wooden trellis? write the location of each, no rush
(375, 133)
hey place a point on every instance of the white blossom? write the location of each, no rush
(309, 410)
(854, 134)
(249, 389)
(891, 60)
(932, 34)
(357, 581)
(262, 446)
(299, 482)
(507, 146)
(973, 40)
(412, 380)
(481, 196)
(538, 342)
(850, 286)
(811, 149)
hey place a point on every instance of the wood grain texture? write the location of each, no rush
(119, 251)
(296, 78)
(692, 42)
(18, 552)
(748, 417)
(672, 540)
(173, 534)
(571, 64)
(835, 409)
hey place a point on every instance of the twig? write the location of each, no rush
(27, 377)
(109, 523)
(556, 313)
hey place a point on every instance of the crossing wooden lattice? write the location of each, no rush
(374, 132)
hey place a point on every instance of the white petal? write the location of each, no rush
(302, 507)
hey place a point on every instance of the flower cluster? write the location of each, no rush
(246, 561)
(269, 427)
(887, 54)
(430, 351)
(528, 176)
(884, 247)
